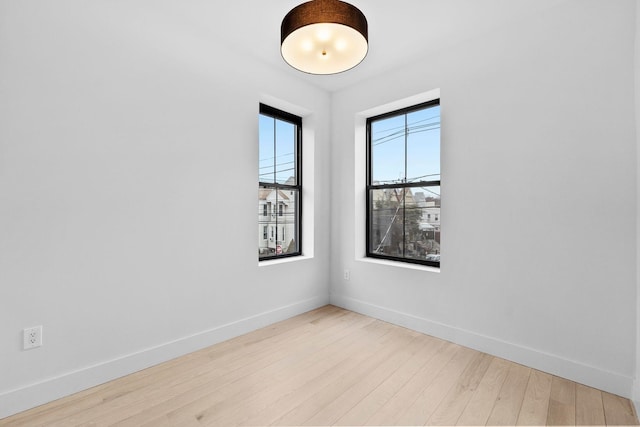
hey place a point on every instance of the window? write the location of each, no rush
(279, 182)
(403, 185)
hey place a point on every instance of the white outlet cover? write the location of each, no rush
(32, 337)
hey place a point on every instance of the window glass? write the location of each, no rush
(387, 150)
(266, 149)
(423, 145)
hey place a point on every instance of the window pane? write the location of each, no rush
(387, 150)
(285, 152)
(281, 222)
(266, 149)
(385, 222)
(423, 145)
(422, 224)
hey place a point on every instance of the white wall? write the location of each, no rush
(128, 195)
(538, 196)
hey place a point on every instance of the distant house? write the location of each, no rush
(276, 221)
(410, 231)
(430, 223)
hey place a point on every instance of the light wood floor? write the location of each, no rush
(334, 367)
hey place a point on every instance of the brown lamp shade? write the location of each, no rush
(324, 37)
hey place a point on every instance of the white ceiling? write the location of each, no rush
(400, 31)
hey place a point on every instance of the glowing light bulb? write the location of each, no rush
(323, 34)
(307, 45)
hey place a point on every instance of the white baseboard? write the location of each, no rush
(32, 395)
(584, 374)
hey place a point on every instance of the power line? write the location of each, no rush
(271, 158)
(402, 126)
(429, 191)
(279, 164)
(410, 131)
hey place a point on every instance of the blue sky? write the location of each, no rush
(280, 157)
(422, 147)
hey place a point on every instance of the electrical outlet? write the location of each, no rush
(347, 274)
(32, 337)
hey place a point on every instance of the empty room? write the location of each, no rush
(419, 212)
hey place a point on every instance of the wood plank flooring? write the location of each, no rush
(334, 367)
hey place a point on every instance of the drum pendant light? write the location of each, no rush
(324, 37)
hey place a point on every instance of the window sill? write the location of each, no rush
(398, 264)
(283, 260)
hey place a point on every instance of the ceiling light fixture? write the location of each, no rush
(324, 37)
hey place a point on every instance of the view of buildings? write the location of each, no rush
(405, 223)
(276, 221)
